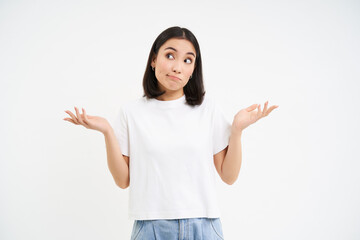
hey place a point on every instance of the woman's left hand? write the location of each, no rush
(248, 116)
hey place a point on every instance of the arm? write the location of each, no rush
(232, 161)
(228, 161)
(118, 164)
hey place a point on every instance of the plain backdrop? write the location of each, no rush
(300, 172)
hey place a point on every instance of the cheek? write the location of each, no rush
(163, 66)
(189, 71)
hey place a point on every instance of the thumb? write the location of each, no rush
(252, 107)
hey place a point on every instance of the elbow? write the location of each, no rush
(229, 181)
(122, 185)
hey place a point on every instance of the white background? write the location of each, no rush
(299, 177)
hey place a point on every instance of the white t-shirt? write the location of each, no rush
(171, 147)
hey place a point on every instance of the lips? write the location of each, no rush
(174, 78)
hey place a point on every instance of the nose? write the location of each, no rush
(176, 67)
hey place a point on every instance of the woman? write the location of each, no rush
(169, 142)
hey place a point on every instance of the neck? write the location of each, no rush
(170, 96)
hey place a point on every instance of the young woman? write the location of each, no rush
(167, 144)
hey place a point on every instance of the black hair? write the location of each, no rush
(194, 89)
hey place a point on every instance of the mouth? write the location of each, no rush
(174, 78)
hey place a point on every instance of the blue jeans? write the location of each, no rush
(178, 229)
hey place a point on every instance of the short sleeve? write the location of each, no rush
(120, 126)
(221, 129)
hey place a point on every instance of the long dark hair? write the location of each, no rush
(194, 89)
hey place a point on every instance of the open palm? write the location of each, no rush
(90, 122)
(248, 116)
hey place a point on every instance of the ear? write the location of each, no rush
(153, 62)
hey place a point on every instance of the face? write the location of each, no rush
(174, 64)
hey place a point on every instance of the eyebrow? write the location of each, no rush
(191, 53)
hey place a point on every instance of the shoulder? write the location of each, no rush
(211, 102)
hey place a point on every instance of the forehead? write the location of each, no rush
(181, 45)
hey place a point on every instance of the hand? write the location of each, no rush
(247, 116)
(90, 122)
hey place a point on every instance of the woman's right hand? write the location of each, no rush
(90, 122)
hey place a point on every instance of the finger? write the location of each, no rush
(265, 108)
(85, 117)
(79, 117)
(70, 120)
(73, 117)
(259, 113)
(270, 109)
(251, 108)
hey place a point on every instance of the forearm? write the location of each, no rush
(232, 161)
(116, 162)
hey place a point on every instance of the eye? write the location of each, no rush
(190, 61)
(169, 54)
